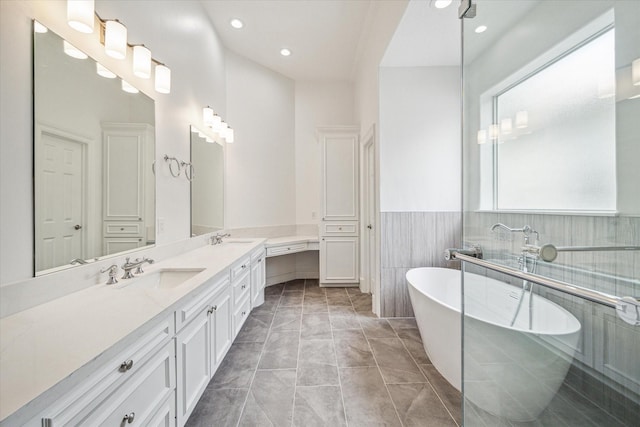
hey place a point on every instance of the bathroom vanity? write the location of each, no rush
(140, 351)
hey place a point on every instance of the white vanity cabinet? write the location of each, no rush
(203, 339)
(258, 277)
(339, 230)
(241, 291)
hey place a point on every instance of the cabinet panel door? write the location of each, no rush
(194, 364)
(258, 277)
(221, 328)
(339, 260)
(340, 176)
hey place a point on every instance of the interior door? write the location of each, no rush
(60, 211)
(370, 217)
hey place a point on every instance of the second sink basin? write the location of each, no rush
(166, 278)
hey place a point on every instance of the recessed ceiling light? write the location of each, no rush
(285, 52)
(481, 29)
(236, 23)
(441, 4)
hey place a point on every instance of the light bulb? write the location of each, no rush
(441, 4)
(141, 61)
(230, 136)
(236, 23)
(80, 15)
(115, 39)
(481, 29)
(163, 79)
(104, 72)
(494, 131)
(506, 126)
(285, 52)
(207, 116)
(73, 51)
(127, 87)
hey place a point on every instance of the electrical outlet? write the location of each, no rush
(160, 225)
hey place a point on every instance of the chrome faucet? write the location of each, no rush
(526, 230)
(113, 272)
(78, 261)
(137, 264)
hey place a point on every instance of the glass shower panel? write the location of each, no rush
(551, 142)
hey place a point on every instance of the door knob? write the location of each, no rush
(369, 226)
(77, 226)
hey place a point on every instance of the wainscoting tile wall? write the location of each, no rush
(410, 240)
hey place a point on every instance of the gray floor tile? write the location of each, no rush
(338, 296)
(280, 350)
(238, 366)
(291, 298)
(255, 329)
(377, 328)
(418, 405)
(314, 299)
(317, 353)
(318, 406)
(395, 362)
(366, 400)
(317, 375)
(343, 317)
(269, 306)
(352, 348)
(294, 285)
(451, 397)
(314, 290)
(273, 290)
(224, 406)
(361, 302)
(287, 319)
(354, 291)
(412, 340)
(315, 326)
(323, 308)
(270, 400)
(403, 323)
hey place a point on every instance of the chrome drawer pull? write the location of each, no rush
(129, 418)
(212, 309)
(126, 365)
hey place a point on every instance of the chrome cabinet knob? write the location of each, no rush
(77, 227)
(129, 418)
(126, 365)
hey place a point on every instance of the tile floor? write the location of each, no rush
(312, 356)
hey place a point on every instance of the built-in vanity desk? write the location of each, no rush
(139, 352)
(291, 244)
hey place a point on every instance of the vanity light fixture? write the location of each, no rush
(635, 72)
(236, 23)
(522, 119)
(216, 123)
(104, 72)
(141, 61)
(207, 116)
(285, 52)
(163, 78)
(482, 136)
(441, 4)
(481, 29)
(494, 131)
(39, 28)
(115, 39)
(80, 15)
(127, 87)
(208, 139)
(230, 136)
(506, 126)
(73, 51)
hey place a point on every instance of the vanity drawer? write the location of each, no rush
(123, 229)
(141, 396)
(256, 255)
(287, 249)
(241, 314)
(199, 302)
(241, 287)
(340, 228)
(119, 372)
(240, 267)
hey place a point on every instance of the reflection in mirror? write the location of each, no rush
(94, 187)
(207, 185)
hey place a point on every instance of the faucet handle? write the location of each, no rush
(113, 271)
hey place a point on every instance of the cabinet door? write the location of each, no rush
(258, 278)
(113, 245)
(221, 330)
(340, 155)
(339, 260)
(194, 364)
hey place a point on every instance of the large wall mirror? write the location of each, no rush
(94, 151)
(207, 185)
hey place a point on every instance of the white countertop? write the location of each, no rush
(285, 240)
(40, 348)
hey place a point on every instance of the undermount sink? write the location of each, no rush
(166, 278)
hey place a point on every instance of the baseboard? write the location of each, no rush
(281, 278)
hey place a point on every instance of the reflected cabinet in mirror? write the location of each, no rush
(207, 185)
(94, 185)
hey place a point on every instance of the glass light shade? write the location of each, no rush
(73, 51)
(236, 23)
(80, 15)
(115, 39)
(481, 29)
(163, 79)
(506, 126)
(207, 116)
(285, 52)
(141, 62)
(127, 87)
(482, 136)
(208, 138)
(230, 136)
(216, 124)
(522, 119)
(494, 131)
(635, 72)
(104, 72)
(441, 4)
(39, 28)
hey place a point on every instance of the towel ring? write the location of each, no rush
(188, 172)
(170, 160)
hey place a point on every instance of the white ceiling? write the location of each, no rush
(323, 35)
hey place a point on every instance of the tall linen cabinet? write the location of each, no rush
(339, 230)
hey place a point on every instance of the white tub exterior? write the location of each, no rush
(512, 372)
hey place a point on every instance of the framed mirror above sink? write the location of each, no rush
(94, 150)
(207, 185)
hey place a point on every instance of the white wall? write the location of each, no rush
(419, 139)
(260, 186)
(177, 33)
(317, 104)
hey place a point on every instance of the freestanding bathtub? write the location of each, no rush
(509, 371)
